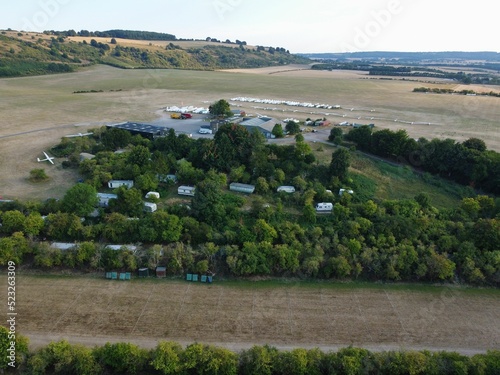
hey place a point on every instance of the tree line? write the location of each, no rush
(171, 358)
(468, 163)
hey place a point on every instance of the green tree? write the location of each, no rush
(264, 231)
(38, 175)
(292, 127)
(13, 354)
(12, 221)
(339, 165)
(221, 108)
(335, 133)
(278, 131)
(166, 227)
(33, 224)
(208, 204)
(166, 358)
(261, 186)
(258, 360)
(475, 144)
(299, 137)
(129, 202)
(140, 155)
(122, 358)
(209, 360)
(81, 200)
(64, 358)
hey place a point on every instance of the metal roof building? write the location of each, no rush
(146, 130)
(242, 188)
(263, 124)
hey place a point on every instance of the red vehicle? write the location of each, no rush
(186, 115)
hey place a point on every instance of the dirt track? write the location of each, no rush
(94, 311)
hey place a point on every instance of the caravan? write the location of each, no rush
(324, 207)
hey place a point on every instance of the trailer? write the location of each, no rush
(324, 207)
(186, 190)
(113, 184)
(286, 189)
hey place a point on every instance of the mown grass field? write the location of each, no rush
(31, 104)
(240, 314)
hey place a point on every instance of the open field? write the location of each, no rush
(237, 315)
(155, 43)
(31, 104)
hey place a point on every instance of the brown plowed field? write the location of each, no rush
(94, 311)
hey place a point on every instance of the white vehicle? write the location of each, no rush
(205, 131)
(47, 158)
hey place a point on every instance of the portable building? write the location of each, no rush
(113, 184)
(105, 198)
(167, 178)
(143, 272)
(63, 246)
(161, 271)
(132, 248)
(324, 207)
(152, 194)
(341, 191)
(186, 190)
(242, 188)
(150, 207)
(286, 189)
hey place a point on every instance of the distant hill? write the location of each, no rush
(54, 52)
(408, 57)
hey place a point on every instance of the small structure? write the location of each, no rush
(161, 271)
(143, 272)
(324, 207)
(167, 178)
(121, 247)
(286, 189)
(152, 194)
(186, 190)
(113, 184)
(63, 246)
(86, 156)
(189, 277)
(341, 191)
(242, 188)
(150, 207)
(105, 198)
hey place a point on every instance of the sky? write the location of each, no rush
(301, 26)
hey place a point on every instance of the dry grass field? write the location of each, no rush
(35, 112)
(237, 315)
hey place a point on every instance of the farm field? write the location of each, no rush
(35, 112)
(238, 314)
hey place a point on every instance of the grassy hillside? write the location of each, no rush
(25, 54)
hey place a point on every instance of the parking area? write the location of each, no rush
(187, 126)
